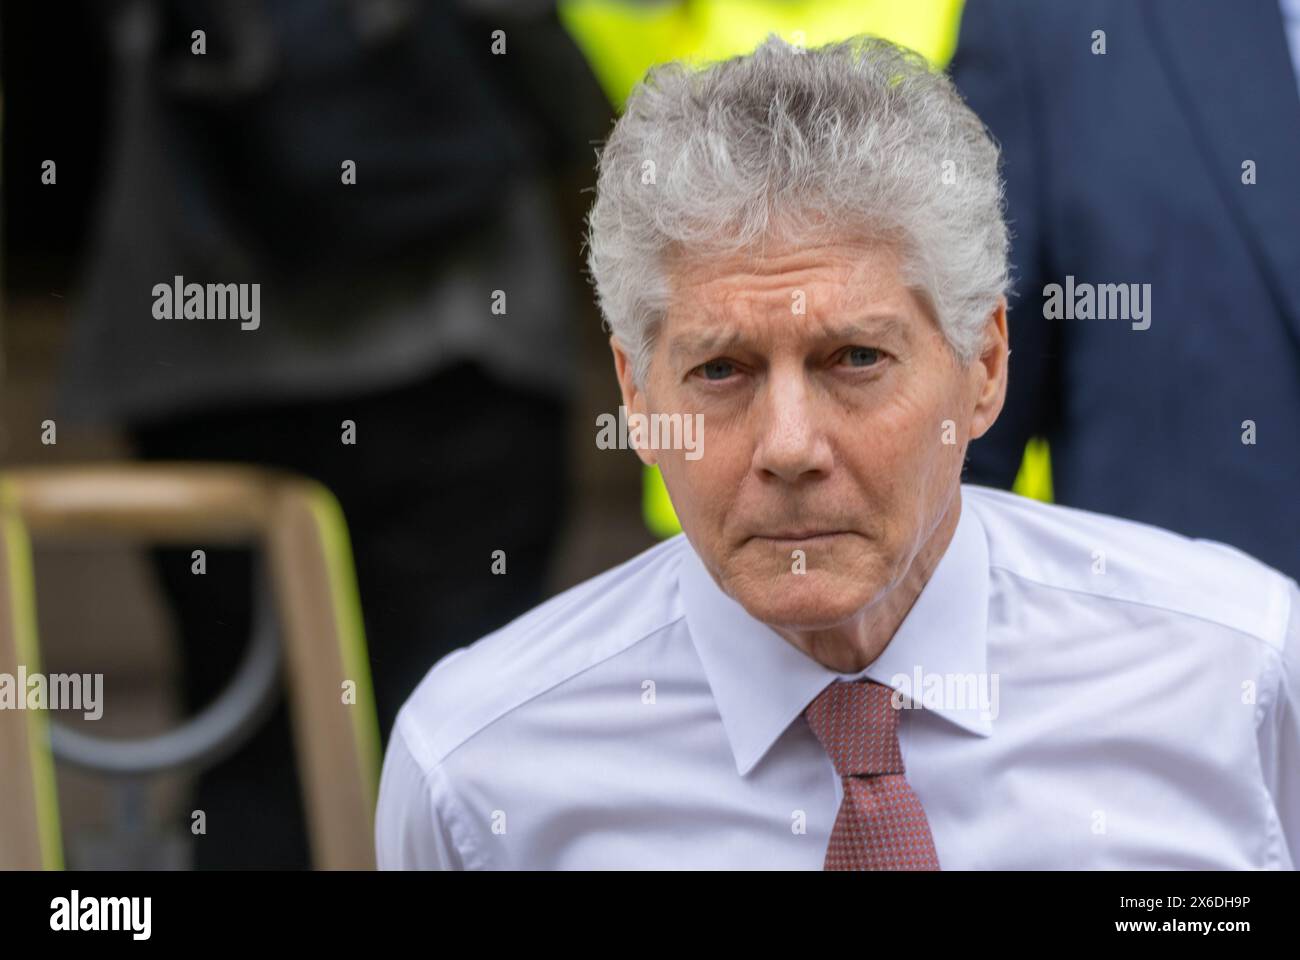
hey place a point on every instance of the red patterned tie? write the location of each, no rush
(881, 825)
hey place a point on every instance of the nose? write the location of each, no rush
(792, 444)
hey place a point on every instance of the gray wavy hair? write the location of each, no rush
(859, 137)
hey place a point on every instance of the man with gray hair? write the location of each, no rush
(849, 659)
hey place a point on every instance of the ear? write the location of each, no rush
(634, 398)
(989, 372)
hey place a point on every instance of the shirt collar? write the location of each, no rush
(761, 683)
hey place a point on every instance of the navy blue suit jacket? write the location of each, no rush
(1127, 168)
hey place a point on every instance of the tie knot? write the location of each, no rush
(857, 725)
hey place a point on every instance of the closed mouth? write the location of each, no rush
(792, 536)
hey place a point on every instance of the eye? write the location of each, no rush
(716, 369)
(861, 356)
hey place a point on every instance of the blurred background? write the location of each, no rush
(406, 182)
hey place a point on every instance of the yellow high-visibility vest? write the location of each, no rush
(621, 39)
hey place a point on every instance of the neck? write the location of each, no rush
(856, 643)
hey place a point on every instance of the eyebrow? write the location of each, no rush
(882, 325)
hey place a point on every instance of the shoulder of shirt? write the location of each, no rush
(472, 687)
(1058, 547)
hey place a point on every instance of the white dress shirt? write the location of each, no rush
(1142, 712)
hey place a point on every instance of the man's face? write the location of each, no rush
(835, 424)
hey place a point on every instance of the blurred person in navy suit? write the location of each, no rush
(1169, 159)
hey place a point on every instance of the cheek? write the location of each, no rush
(704, 489)
(923, 424)
(899, 457)
(893, 441)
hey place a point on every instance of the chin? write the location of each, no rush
(811, 601)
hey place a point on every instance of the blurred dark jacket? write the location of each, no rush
(228, 168)
(1127, 167)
